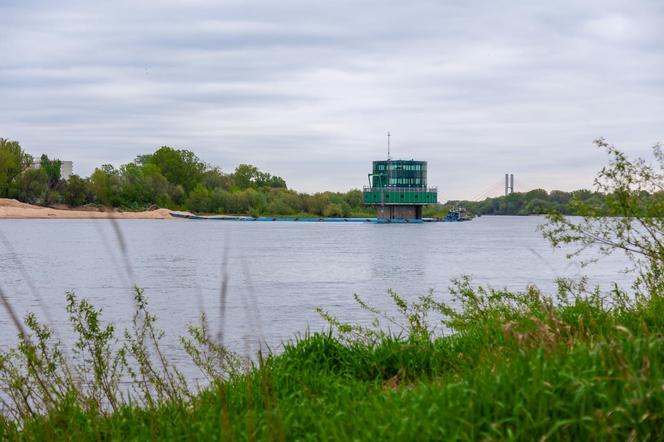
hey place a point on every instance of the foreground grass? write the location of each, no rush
(516, 368)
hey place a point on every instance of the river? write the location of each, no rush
(277, 273)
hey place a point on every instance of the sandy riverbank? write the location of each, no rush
(13, 209)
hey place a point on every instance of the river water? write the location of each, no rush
(277, 273)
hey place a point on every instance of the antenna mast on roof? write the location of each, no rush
(388, 146)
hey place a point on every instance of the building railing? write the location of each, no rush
(399, 189)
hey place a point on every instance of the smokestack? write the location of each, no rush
(507, 184)
(511, 183)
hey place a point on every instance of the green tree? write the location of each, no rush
(158, 188)
(630, 218)
(277, 182)
(244, 176)
(280, 207)
(540, 194)
(214, 178)
(317, 203)
(33, 186)
(106, 185)
(77, 191)
(142, 185)
(354, 198)
(536, 206)
(559, 197)
(332, 210)
(180, 166)
(220, 200)
(199, 200)
(13, 161)
(264, 179)
(285, 202)
(53, 170)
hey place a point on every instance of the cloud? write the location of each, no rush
(307, 90)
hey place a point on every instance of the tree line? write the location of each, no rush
(177, 179)
(173, 178)
(534, 202)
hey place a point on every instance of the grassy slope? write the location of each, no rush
(519, 372)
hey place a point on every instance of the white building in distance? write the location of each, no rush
(66, 167)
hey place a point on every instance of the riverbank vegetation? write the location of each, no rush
(177, 179)
(534, 202)
(500, 365)
(600, 201)
(475, 364)
(171, 178)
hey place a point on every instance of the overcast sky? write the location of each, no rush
(308, 90)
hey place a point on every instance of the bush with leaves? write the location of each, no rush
(103, 371)
(630, 218)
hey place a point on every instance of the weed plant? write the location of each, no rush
(498, 365)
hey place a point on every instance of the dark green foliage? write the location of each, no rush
(41, 185)
(247, 176)
(180, 167)
(173, 178)
(244, 176)
(199, 200)
(32, 187)
(535, 202)
(13, 162)
(214, 178)
(77, 191)
(52, 170)
(141, 186)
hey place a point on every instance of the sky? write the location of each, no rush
(308, 90)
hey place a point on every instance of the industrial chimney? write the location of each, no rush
(509, 183)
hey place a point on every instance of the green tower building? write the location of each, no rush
(398, 189)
